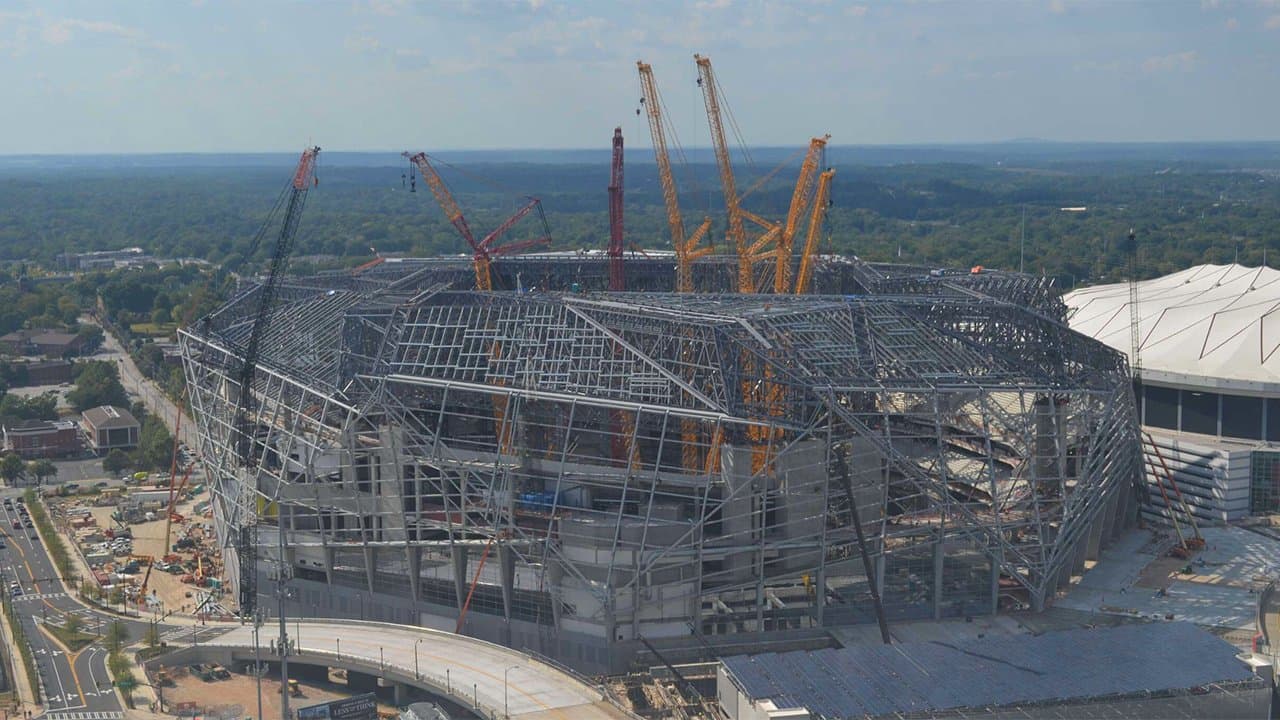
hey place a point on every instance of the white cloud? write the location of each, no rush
(536, 4)
(60, 31)
(1272, 23)
(1210, 4)
(712, 4)
(1182, 61)
(362, 43)
(856, 10)
(390, 8)
(1232, 24)
(1057, 7)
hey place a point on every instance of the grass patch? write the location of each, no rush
(52, 540)
(73, 639)
(153, 330)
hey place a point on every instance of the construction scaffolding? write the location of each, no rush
(581, 473)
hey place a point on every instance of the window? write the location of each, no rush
(1273, 419)
(1161, 407)
(1242, 417)
(1264, 485)
(1200, 412)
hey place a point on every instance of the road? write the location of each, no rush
(78, 686)
(138, 384)
(500, 681)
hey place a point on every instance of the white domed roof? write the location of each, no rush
(1210, 321)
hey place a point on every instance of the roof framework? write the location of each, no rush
(644, 465)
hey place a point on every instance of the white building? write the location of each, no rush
(1210, 393)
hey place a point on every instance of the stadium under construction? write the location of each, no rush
(593, 474)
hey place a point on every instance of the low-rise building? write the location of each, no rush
(110, 427)
(54, 344)
(42, 438)
(46, 372)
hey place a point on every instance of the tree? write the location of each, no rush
(117, 632)
(153, 635)
(42, 469)
(12, 467)
(155, 445)
(72, 623)
(91, 336)
(98, 383)
(116, 461)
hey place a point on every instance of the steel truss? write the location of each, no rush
(650, 464)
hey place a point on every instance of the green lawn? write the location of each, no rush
(154, 330)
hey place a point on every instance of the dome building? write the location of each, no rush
(1209, 394)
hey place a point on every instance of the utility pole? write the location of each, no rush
(281, 581)
(257, 657)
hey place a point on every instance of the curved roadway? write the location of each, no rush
(496, 680)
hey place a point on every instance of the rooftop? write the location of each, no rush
(107, 416)
(873, 679)
(1208, 321)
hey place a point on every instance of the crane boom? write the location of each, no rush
(443, 197)
(617, 280)
(303, 179)
(685, 248)
(819, 213)
(728, 185)
(482, 250)
(799, 202)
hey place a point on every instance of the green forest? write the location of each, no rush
(950, 213)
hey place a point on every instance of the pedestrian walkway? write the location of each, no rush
(103, 715)
(40, 596)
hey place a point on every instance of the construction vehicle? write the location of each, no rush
(295, 690)
(483, 250)
(246, 543)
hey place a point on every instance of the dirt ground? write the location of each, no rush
(1160, 572)
(148, 539)
(242, 690)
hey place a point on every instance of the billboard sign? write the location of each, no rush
(356, 707)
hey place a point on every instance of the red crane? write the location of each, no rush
(617, 279)
(483, 249)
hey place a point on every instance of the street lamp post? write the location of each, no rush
(506, 703)
(338, 643)
(416, 672)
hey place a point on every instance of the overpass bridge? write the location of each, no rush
(492, 680)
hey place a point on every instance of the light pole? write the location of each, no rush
(338, 643)
(417, 674)
(257, 659)
(506, 704)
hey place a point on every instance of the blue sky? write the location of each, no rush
(214, 76)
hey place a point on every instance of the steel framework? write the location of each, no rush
(407, 430)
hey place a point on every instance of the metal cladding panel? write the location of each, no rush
(874, 680)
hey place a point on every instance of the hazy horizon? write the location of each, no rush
(231, 77)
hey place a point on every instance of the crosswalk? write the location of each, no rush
(86, 715)
(40, 596)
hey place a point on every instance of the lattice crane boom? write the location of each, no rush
(685, 248)
(482, 250)
(799, 203)
(821, 199)
(303, 179)
(728, 185)
(617, 278)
